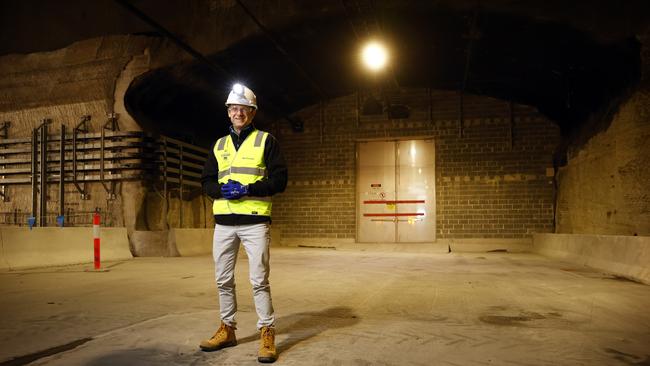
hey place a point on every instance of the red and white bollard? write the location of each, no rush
(96, 240)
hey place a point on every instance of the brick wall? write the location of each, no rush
(490, 174)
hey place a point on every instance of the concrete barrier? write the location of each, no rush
(171, 243)
(627, 256)
(175, 242)
(193, 242)
(54, 246)
(153, 243)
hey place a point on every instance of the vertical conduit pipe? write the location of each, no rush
(34, 179)
(101, 158)
(62, 173)
(43, 175)
(74, 163)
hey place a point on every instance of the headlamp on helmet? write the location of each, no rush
(241, 95)
(238, 88)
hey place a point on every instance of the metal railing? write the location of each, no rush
(107, 157)
(182, 165)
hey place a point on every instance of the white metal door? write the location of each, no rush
(396, 191)
(376, 184)
(416, 221)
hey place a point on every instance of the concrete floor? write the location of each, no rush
(334, 308)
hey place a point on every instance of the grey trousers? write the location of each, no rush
(256, 239)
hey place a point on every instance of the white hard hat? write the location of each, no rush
(241, 95)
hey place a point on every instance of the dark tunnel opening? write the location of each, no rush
(570, 76)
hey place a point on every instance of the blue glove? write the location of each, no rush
(233, 190)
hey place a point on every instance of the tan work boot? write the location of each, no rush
(224, 337)
(267, 353)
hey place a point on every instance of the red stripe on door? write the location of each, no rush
(392, 202)
(393, 214)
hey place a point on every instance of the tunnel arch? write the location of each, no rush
(569, 75)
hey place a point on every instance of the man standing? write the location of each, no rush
(244, 170)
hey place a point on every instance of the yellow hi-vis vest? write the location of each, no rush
(246, 166)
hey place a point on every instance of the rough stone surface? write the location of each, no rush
(83, 72)
(136, 66)
(604, 187)
(90, 78)
(134, 215)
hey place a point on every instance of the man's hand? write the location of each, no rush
(233, 190)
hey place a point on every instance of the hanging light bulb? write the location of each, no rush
(374, 56)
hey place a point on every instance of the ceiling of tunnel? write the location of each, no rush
(568, 59)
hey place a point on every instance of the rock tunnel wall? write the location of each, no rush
(89, 78)
(603, 189)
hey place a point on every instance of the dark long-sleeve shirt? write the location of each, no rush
(274, 182)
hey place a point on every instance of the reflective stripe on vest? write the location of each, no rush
(246, 166)
(242, 170)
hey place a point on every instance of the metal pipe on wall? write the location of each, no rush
(137, 159)
(101, 158)
(62, 173)
(81, 126)
(43, 175)
(4, 134)
(112, 125)
(34, 181)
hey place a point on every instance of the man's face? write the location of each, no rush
(240, 116)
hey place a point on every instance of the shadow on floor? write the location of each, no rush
(302, 326)
(297, 328)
